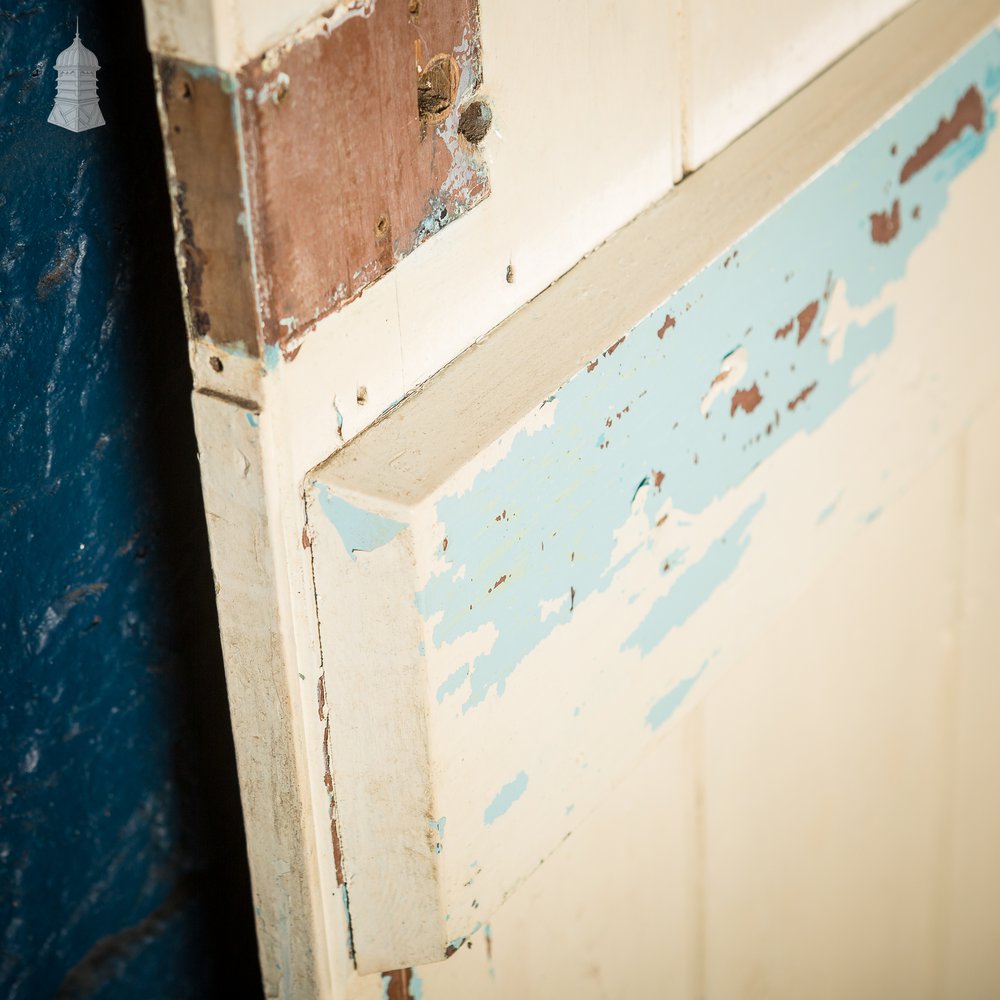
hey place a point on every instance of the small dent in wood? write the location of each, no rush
(215, 364)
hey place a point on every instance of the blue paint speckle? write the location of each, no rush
(828, 510)
(671, 701)
(438, 825)
(695, 584)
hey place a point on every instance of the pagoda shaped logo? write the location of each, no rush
(76, 106)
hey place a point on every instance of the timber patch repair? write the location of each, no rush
(437, 85)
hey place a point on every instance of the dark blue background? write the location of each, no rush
(122, 863)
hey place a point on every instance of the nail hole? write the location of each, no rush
(382, 226)
(414, 8)
(186, 91)
(436, 88)
(474, 122)
(215, 364)
(362, 395)
(510, 274)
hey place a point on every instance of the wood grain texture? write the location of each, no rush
(200, 122)
(583, 573)
(347, 174)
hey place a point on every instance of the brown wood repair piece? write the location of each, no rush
(353, 152)
(201, 130)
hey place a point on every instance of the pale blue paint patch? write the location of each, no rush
(359, 530)
(671, 701)
(252, 419)
(873, 515)
(386, 981)
(272, 357)
(695, 585)
(416, 986)
(505, 798)
(452, 683)
(628, 429)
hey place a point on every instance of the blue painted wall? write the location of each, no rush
(122, 863)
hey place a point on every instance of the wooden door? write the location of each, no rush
(512, 450)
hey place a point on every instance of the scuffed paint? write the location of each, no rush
(570, 488)
(359, 530)
(505, 798)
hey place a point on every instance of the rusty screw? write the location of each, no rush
(215, 364)
(362, 395)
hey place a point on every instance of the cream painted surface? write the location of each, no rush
(226, 33)
(725, 865)
(794, 835)
(740, 60)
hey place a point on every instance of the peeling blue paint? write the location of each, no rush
(252, 419)
(272, 357)
(359, 530)
(628, 433)
(452, 683)
(416, 986)
(665, 707)
(505, 798)
(696, 584)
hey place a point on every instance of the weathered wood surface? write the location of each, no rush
(614, 157)
(580, 576)
(355, 150)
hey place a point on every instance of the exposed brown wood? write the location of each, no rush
(354, 153)
(201, 133)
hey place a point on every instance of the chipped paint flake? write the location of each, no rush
(505, 798)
